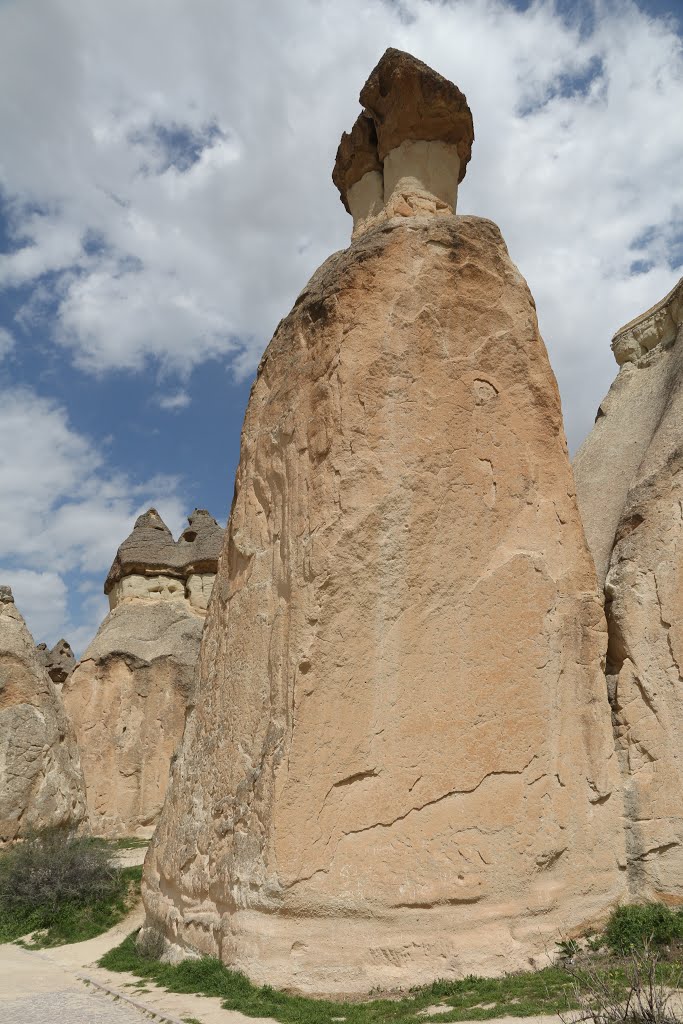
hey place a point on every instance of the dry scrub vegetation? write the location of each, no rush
(60, 887)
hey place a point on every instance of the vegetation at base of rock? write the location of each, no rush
(645, 991)
(472, 998)
(131, 843)
(62, 887)
(633, 927)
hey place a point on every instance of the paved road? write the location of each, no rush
(35, 991)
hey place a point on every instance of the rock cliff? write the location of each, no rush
(630, 491)
(41, 783)
(398, 764)
(128, 694)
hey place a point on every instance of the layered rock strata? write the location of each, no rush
(41, 783)
(127, 696)
(630, 491)
(398, 764)
(409, 148)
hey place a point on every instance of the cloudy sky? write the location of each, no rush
(165, 193)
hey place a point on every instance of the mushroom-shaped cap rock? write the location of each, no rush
(409, 100)
(6, 594)
(149, 547)
(405, 101)
(199, 545)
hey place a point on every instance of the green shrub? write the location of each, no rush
(63, 884)
(636, 926)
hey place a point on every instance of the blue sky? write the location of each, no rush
(165, 193)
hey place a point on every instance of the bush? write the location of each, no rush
(642, 994)
(638, 926)
(62, 882)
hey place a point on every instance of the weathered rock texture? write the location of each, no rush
(41, 783)
(630, 491)
(59, 661)
(409, 148)
(128, 694)
(399, 762)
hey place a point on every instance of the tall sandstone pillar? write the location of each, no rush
(399, 763)
(629, 478)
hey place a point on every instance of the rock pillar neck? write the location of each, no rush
(417, 177)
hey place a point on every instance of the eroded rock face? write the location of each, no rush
(127, 696)
(398, 764)
(409, 149)
(41, 783)
(59, 661)
(630, 491)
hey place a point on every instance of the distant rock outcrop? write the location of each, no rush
(59, 661)
(629, 480)
(399, 761)
(41, 783)
(128, 694)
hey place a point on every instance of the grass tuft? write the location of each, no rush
(518, 995)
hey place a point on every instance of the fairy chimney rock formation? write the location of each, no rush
(150, 563)
(399, 762)
(128, 695)
(629, 485)
(408, 150)
(41, 783)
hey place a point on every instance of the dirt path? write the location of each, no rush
(65, 984)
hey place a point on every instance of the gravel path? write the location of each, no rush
(68, 1007)
(35, 991)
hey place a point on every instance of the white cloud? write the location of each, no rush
(157, 257)
(6, 343)
(41, 597)
(64, 511)
(173, 402)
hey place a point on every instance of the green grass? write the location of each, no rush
(131, 843)
(71, 922)
(516, 995)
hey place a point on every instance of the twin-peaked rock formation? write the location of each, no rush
(127, 696)
(629, 478)
(41, 783)
(399, 761)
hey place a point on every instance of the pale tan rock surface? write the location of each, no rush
(41, 783)
(398, 764)
(128, 694)
(629, 486)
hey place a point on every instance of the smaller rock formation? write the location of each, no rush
(128, 694)
(59, 661)
(41, 783)
(408, 150)
(629, 480)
